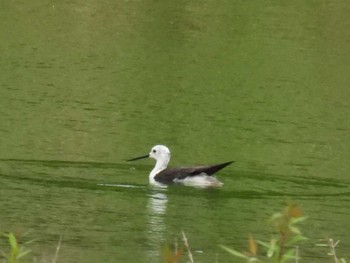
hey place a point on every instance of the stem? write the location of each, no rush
(332, 245)
(188, 247)
(297, 254)
(283, 238)
(54, 260)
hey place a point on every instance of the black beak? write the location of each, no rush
(138, 158)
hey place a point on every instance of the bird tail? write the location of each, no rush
(213, 169)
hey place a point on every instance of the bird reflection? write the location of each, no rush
(156, 209)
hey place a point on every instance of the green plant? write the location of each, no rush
(174, 257)
(332, 245)
(284, 245)
(17, 250)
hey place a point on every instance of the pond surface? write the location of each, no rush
(85, 85)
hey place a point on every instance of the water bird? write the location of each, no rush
(200, 176)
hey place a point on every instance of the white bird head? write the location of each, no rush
(160, 152)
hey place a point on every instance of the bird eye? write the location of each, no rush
(154, 151)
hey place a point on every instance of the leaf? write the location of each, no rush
(264, 244)
(23, 252)
(276, 216)
(234, 252)
(294, 230)
(253, 247)
(290, 254)
(296, 220)
(295, 239)
(321, 245)
(12, 241)
(272, 248)
(31, 241)
(170, 257)
(4, 254)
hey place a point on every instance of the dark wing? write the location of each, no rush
(210, 169)
(168, 175)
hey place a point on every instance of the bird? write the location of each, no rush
(198, 176)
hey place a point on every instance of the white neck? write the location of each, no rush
(161, 164)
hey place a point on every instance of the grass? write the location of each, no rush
(332, 245)
(17, 249)
(283, 247)
(174, 257)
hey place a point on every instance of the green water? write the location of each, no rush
(85, 85)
